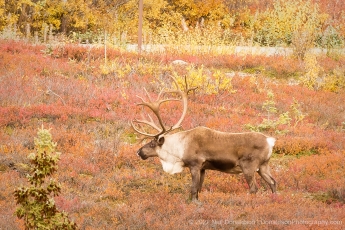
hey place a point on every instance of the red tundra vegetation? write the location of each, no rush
(87, 103)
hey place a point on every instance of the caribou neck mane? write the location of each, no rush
(171, 153)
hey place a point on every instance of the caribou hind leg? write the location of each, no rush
(250, 178)
(248, 168)
(264, 172)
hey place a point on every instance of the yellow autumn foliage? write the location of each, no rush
(180, 22)
(207, 83)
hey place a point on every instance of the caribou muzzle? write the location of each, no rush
(141, 154)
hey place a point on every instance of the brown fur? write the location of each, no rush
(202, 148)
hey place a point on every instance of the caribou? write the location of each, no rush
(202, 148)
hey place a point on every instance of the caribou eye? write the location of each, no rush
(152, 145)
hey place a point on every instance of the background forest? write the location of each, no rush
(269, 22)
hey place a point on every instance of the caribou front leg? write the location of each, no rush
(202, 177)
(195, 183)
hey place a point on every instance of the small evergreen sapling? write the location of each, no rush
(36, 206)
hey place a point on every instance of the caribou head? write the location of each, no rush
(152, 148)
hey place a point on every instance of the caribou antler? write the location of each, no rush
(155, 105)
(184, 99)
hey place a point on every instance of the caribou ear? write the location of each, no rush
(161, 140)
